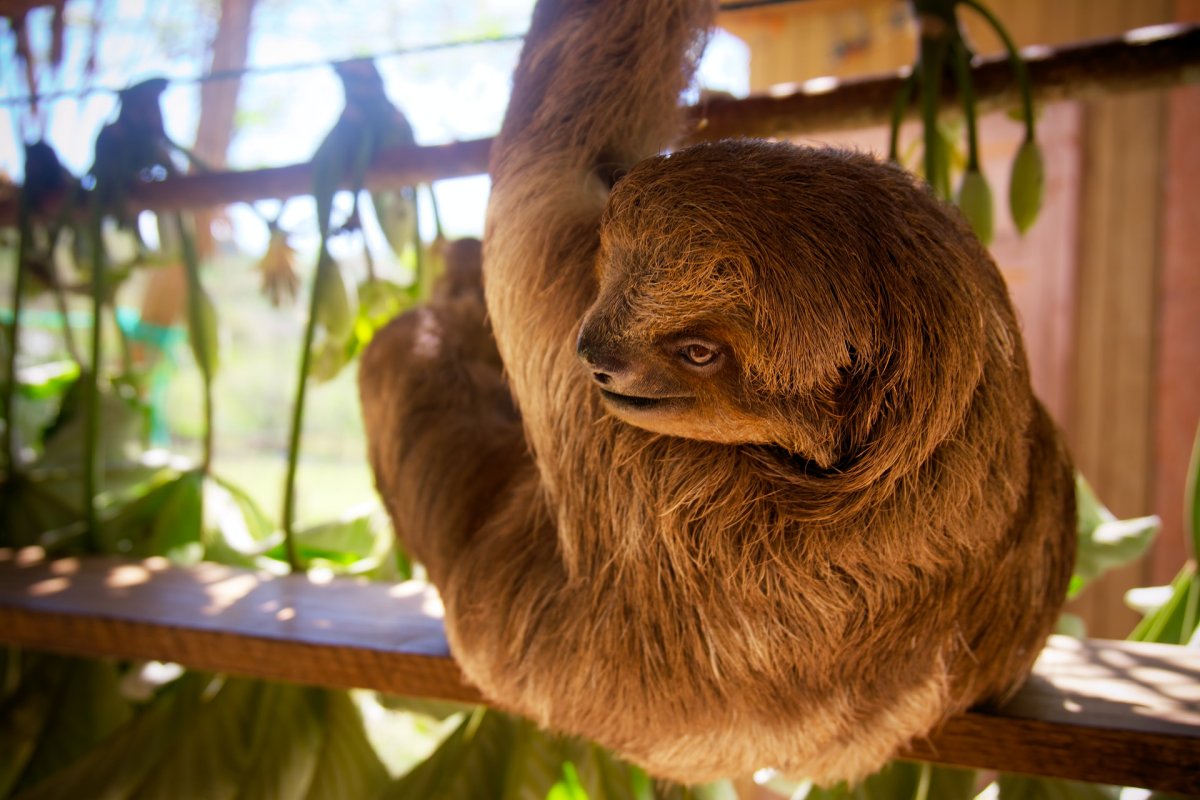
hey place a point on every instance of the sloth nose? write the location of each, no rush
(602, 362)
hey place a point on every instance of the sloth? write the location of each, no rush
(733, 460)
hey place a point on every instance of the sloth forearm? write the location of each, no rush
(592, 96)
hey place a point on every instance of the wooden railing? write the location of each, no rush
(1104, 711)
(1141, 59)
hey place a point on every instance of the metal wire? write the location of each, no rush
(300, 66)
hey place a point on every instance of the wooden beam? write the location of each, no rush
(1114, 712)
(1104, 711)
(1147, 59)
(344, 633)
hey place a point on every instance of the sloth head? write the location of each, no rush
(815, 300)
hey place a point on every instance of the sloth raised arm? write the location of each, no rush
(596, 91)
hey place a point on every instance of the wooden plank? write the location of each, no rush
(343, 633)
(1115, 712)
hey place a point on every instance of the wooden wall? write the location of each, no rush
(1106, 282)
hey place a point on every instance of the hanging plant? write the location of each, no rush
(943, 54)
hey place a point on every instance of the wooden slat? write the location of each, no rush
(1113, 712)
(343, 633)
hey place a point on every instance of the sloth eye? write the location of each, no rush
(699, 354)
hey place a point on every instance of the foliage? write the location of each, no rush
(79, 476)
(943, 54)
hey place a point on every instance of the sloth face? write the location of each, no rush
(684, 384)
(816, 300)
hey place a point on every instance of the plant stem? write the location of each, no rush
(1014, 58)
(91, 442)
(902, 100)
(421, 263)
(191, 263)
(12, 460)
(962, 69)
(931, 60)
(60, 301)
(123, 341)
(926, 777)
(362, 159)
(293, 452)
(437, 215)
(1191, 499)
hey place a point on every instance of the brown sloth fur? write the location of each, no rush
(797, 503)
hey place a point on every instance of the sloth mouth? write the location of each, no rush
(638, 402)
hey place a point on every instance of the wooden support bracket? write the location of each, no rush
(1112, 712)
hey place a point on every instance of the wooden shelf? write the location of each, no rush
(1111, 712)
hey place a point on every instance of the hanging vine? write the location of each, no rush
(943, 54)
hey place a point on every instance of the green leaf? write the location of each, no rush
(334, 306)
(900, 779)
(379, 302)
(1191, 499)
(25, 713)
(47, 381)
(287, 740)
(534, 763)
(30, 509)
(124, 422)
(237, 530)
(354, 536)
(1090, 512)
(227, 738)
(470, 764)
(330, 357)
(1026, 187)
(211, 754)
(1104, 541)
(1023, 787)
(202, 332)
(1175, 622)
(975, 200)
(347, 765)
(1071, 625)
(128, 524)
(569, 787)
(361, 543)
(176, 529)
(88, 708)
(396, 212)
(639, 784)
(115, 769)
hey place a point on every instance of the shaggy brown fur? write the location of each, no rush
(798, 505)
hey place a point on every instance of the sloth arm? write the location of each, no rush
(595, 92)
(443, 437)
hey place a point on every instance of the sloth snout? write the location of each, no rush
(600, 359)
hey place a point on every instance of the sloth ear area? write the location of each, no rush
(609, 171)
